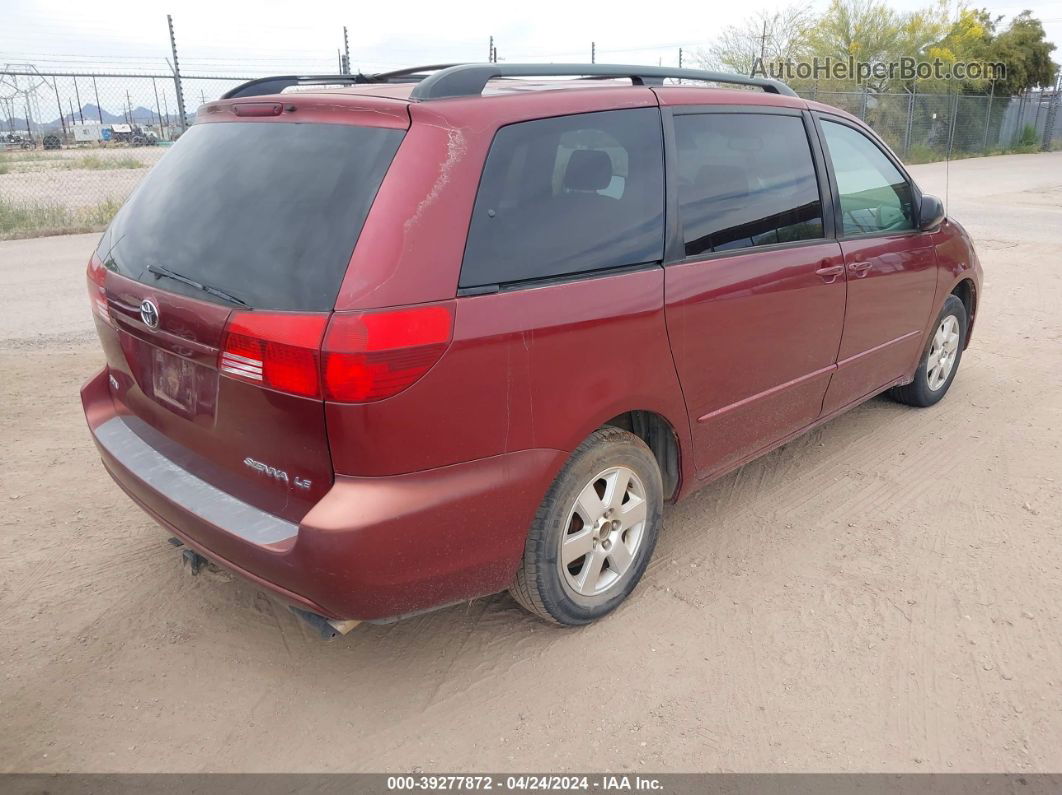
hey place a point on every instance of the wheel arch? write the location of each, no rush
(660, 435)
(966, 291)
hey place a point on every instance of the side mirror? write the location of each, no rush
(930, 213)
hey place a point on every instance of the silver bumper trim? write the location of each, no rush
(189, 492)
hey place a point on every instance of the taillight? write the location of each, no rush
(274, 349)
(364, 356)
(97, 291)
(374, 355)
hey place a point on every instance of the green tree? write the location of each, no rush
(1025, 53)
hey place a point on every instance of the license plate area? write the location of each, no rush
(174, 382)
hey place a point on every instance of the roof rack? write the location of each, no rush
(466, 80)
(274, 85)
(442, 81)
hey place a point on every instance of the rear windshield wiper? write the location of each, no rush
(159, 270)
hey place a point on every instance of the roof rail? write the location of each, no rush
(440, 81)
(466, 80)
(274, 85)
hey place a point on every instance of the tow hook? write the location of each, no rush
(327, 628)
(193, 561)
(190, 559)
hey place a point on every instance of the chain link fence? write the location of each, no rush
(922, 128)
(73, 146)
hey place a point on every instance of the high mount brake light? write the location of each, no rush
(353, 358)
(373, 355)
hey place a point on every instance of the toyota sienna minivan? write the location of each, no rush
(383, 343)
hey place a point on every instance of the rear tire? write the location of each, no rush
(595, 531)
(940, 360)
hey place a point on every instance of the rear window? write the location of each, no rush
(267, 213)
(568, 195)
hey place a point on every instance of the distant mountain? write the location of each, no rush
(91, 115)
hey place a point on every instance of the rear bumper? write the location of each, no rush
(371, 549)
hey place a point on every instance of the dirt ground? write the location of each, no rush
(883, 594)
(55, 177)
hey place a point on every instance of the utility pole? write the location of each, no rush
(80, 107)
(346, 52)
(680, 57)
(593, 52)
(763, 43)
(99, 110)
(55, 87)
(158, 108)
(177, 74)
(490, 50)
(128, 109)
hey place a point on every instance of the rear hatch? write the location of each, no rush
(213, 288)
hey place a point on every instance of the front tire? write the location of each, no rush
(940, 360)
(595, 531)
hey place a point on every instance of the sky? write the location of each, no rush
(244, 39)
(270, 36)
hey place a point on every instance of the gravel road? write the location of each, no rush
(884, 593)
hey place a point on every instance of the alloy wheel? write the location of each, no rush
(604, 532)
(943, 352)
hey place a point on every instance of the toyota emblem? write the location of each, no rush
(149, 313)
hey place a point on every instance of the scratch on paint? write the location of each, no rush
(455, 150)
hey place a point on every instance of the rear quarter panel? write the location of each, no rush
(532, 368)
(537, 368)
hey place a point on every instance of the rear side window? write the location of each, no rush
(874, 195)
(568, 195)
(266, 212)
(745, 180)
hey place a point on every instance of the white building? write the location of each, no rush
(87, 132)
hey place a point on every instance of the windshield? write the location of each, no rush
(267, 213)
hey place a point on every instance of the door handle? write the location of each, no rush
(860, 269)
(830, 273)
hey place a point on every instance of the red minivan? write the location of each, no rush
(382, 343)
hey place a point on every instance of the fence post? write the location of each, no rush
(177, 75)
(988, 116)
(910, 121)
(1052, 116)
(1021, 119)
(1039, 102)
